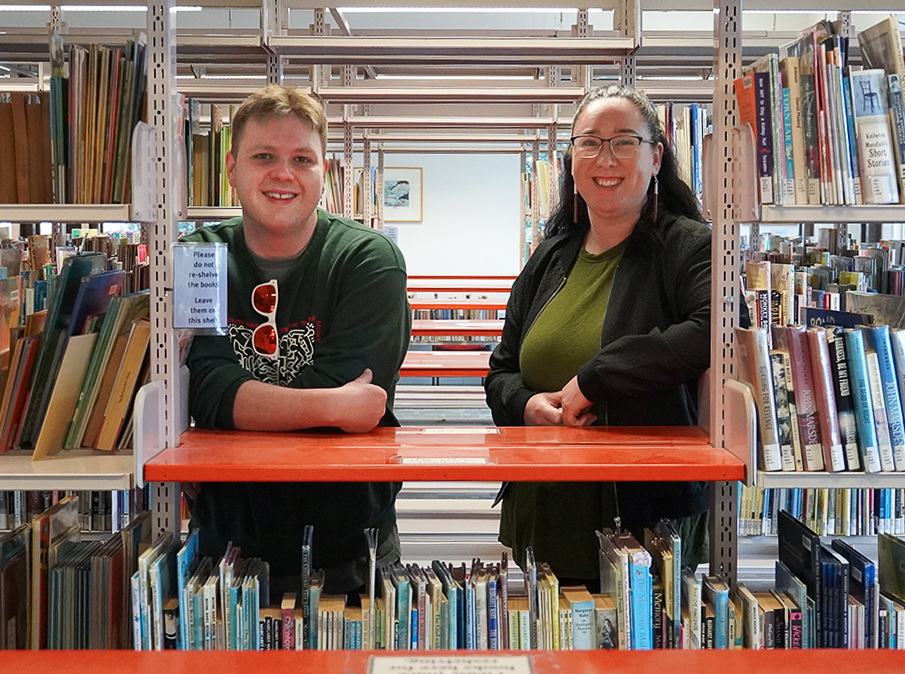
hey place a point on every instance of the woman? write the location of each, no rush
(625, 268)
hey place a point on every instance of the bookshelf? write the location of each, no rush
(676, 454)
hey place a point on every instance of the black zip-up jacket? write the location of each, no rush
(655, 345)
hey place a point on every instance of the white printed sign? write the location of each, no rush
(512, 664)
(199, 286)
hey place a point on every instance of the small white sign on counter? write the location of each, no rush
(396, 664)
(199, 287)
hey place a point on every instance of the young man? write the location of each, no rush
(318, 326)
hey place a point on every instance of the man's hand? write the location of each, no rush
(576, 409)
(360, 404)
(544, 409)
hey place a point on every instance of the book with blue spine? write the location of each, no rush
(880, 335)
(716, 591)
(470, 617)
(641, 592)
(877, 397)
(186, 563)
(861, 398)
(494, 620)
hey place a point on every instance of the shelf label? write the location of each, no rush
(395, 664)
(199, 287)
(453, 460)
(441, 430)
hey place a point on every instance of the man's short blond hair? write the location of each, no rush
(275, 100)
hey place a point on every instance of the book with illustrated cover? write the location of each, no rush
(876, 153)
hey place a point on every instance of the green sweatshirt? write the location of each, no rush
(342, 309)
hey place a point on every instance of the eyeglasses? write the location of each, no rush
(264, 339)
(623, 147)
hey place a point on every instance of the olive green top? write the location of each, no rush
(566, 334)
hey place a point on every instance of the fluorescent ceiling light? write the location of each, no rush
(222, 77)
(455, 10)
(89, 8)
(454, 77)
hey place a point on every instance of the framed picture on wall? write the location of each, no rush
(402, 195)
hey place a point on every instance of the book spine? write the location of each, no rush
(842, 391)
(861, 398)
(658, 616)
(897, 116)
(493, 621)
(884, 441)
(784, 420)
(834, 457)
(805, 398)
(514, 636)
(890, 393)
(763, 111)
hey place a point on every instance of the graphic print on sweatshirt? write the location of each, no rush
(296, 353)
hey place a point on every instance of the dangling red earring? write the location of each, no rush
(656, 190)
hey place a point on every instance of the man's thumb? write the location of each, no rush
(365, 377)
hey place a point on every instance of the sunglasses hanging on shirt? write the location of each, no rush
(264, 339)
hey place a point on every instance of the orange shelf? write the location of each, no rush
(427, 327)
(428, 304)
(459, 277)
(445, 364)
(447, 453)
(460, 286)
(542, 662)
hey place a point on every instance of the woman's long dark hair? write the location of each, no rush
(674, 196)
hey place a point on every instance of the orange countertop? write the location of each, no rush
(447, 453)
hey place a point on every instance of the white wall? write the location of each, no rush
(470, 215)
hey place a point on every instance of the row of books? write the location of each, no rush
(70, 371)
(58, 591)
(224, 603)
(825, 133)
(99, 510)
(828, 511)
(72, 144)
(827, 399)
(208, 140)
(686, 125)
(123, 591)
